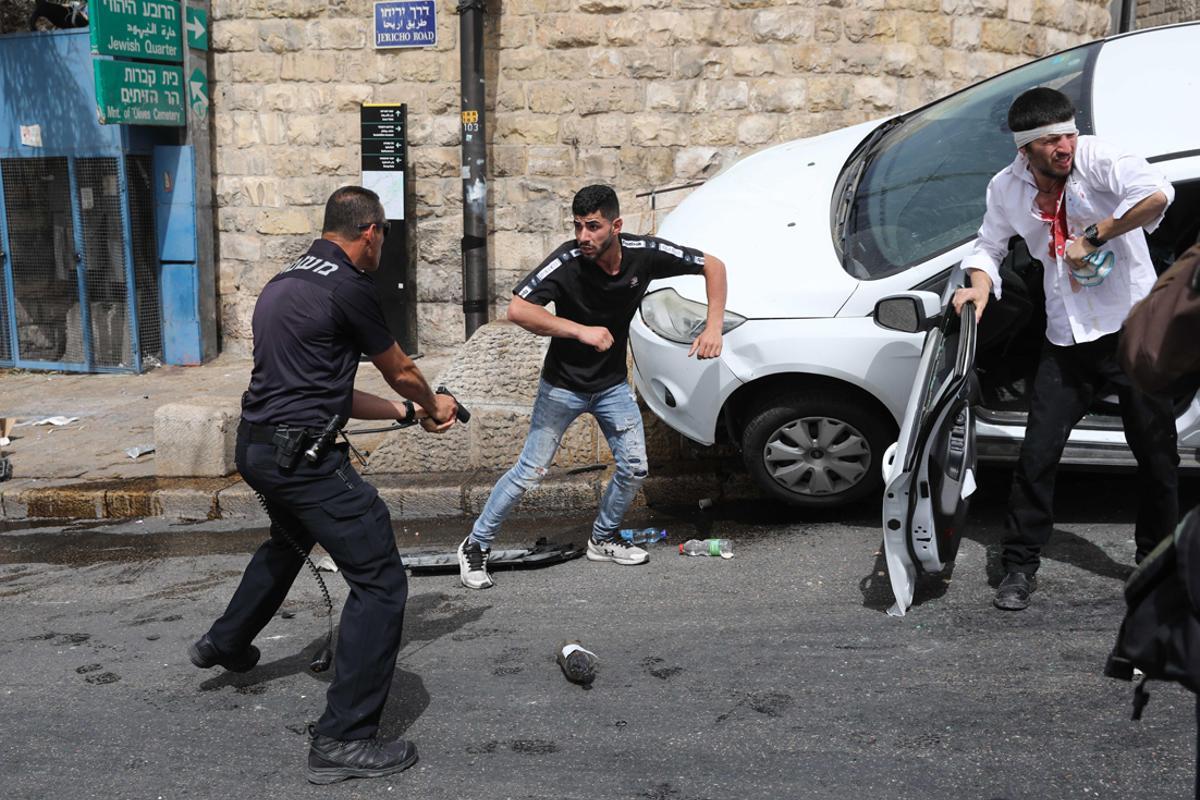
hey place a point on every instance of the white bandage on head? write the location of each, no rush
(1023, 138)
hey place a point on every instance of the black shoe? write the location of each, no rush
(1013, 592)
(204, 654)
(333, 760)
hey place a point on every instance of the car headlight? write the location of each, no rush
(679, 320)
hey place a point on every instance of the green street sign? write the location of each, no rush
(196, 26)
(149, 29)
(128, 93)
(198, 93)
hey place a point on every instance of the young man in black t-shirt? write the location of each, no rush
(596, 283)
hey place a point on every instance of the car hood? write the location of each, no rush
(767, 218)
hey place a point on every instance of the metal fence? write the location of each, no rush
(80, 282)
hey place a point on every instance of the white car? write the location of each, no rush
(815, 232)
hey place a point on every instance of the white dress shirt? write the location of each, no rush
(1103, 182)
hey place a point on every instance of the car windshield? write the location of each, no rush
(921, 186)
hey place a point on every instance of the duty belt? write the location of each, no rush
(265, 434)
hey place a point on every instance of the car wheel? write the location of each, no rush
(816, 450)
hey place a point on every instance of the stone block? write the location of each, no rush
(564, 31)
(785, 95)
(693, 163)
(551, 98)
(507, 160)
(338, 34)
(559, 493)
(699, 62)
(241, 503)
(286, 221)
(54, 500)
(714, 129)
(787, 24)
(527, 129)
(415, 451)
(1001, 36)
(597, 97)
(196, 440)
(647, 63)
(254, 67)
(876, 93)
(307, 67)
(719, 96)
(434, 501)
(754, 61)
(186, 503)
(12, 498)
(498, 435)
(526, 64)
(757, 129)
(597, 163)
(667, 96)
(229, 36)
(657, 131)
(605, 63)
(653, 165)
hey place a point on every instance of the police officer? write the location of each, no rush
(311, 323)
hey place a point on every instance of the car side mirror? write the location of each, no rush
(911, 312)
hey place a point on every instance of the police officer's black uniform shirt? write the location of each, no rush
(583, 292)
(311, 323)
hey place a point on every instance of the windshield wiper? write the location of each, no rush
(846, 201)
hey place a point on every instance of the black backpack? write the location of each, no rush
(1160, 634)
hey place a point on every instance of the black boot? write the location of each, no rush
(1013, 592)
(333, 760)
(204, 654)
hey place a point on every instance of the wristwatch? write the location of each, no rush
(410, 413)
(1093, 236)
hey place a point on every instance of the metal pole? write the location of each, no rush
(1128, 12)
(474, 165)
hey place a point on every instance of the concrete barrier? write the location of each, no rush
(196, 439)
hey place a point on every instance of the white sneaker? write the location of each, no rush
(472, 565)
(618, 551)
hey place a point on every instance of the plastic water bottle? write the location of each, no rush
(643, 535)
(577, 664)
(708, 547)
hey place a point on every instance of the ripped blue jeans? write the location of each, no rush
(616, 411)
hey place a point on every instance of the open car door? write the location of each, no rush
(929, 473)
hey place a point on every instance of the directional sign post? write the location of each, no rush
(148, 29)
(130, 93)
(198, 93)
(196, 27)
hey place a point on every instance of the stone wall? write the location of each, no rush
(636, 93)
(1165, 12)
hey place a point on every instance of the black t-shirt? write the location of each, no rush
(311, 323)
(583, 292)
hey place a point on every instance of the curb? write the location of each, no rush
(420, 496)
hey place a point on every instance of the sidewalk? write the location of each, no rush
(80, 470)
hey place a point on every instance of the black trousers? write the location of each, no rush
(1066, 381)
(327, 503)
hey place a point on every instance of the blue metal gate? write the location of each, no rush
(79, 271)
(80, 277)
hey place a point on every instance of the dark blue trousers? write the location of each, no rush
(327, 503)
(1065, 384)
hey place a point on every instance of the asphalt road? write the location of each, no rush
(776, 674)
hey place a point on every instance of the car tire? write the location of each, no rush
(816, 449)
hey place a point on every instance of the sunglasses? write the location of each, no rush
(384, 226)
